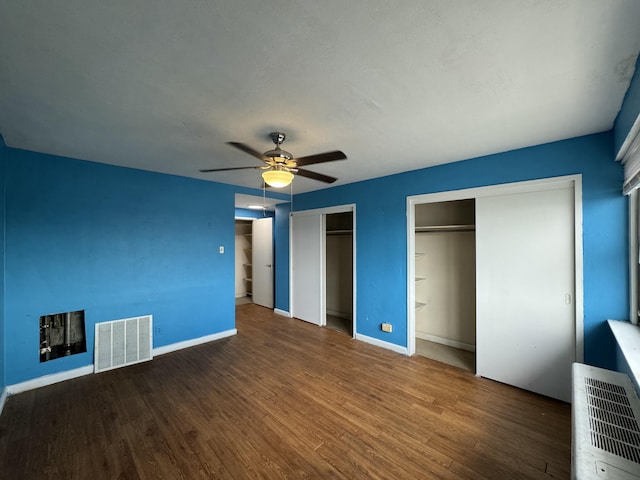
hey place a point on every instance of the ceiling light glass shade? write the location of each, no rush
(277, 178)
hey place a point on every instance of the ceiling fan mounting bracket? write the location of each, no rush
(278, 137)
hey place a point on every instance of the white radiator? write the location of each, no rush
(123, 342)
(606, 430)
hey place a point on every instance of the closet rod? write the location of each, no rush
(447, 228)
(339, 232)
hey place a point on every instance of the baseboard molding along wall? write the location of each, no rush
(445, 341)
(277, 311)
(193, 342)
(46, 380)
(3, 398)
(381, 343)
(88, 369)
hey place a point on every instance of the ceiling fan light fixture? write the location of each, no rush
(277, 178)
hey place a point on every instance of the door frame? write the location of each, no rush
(491, 190)
(323, 232)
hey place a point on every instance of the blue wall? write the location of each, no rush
(2, 262)
(282, 257)
(629, 111)
(382, 241)
(116, 243)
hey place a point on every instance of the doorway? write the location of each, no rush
(339, 272)
(254, 261)
(445, 286)
(323, 267)
(528, 290)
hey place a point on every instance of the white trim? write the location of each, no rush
(3, 398)
(347, 207)
(578, 267)
(323, 270)
(632, 200)
(193, 342)
(48, 380)
(492, 190)
(381, 343)
(283, 313)
(445, 341)
(634, 133)
(627, 337)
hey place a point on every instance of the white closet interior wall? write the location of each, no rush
(243, 257)
(339, 264)
(445, 273)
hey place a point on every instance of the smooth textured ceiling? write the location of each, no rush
(162, 85)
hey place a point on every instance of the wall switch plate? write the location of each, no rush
(387, 327)
(221, 248)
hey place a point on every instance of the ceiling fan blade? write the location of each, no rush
(320, 158)
(315, 175)
(230, 168)
(247, 149)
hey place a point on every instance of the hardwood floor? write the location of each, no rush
(284, 399)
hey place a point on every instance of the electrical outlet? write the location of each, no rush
(387, 327)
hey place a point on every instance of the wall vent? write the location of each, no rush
(606, 428)
(123, 342)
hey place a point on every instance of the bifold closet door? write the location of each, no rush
(525, 277)
(306, 267)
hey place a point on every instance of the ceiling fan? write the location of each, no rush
(280, 166)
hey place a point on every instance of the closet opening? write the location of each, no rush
(339, 271)
(254, 261)
(445, 282)
(243, 265)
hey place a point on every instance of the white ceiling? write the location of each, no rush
(162, 85)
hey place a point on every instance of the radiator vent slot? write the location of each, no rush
(123, 342)
(606, 432)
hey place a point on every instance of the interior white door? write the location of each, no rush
(306, 267)
(525, 290)
(262, 262)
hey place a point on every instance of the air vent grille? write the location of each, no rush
(612, 422)
(123, 342)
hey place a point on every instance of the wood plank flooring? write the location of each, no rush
(284, 399)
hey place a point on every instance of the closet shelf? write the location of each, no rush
(419, 279)
(420, 254)
(420, 305)
(339, 232)
(446, 228)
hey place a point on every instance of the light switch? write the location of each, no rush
(221, 248)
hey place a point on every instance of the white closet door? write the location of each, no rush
(525, 290)
(306, 265)
(262, 262)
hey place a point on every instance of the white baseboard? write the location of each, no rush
(381, 343)
(193, 342)
(277, 311)
(445, 341)
(3, 398)
(48, 380)
(88, 369)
